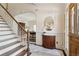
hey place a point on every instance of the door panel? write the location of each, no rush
(73, 29)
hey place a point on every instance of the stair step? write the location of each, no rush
(8, 45)
(9, 49)
(3, 25)
(22, 53)
(1, 22)
(7, 37)
(12, 51)
(8, 41)
(6, 28)
(5, 32)
(18, 52)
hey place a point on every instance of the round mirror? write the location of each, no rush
(48, 23)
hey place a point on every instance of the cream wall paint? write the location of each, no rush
(58, 30)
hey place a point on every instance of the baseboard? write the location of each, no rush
(36, 44)
(62, 51)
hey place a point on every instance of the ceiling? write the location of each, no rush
(20, 9)
(48, 6)
(39, 6)
(26, 16)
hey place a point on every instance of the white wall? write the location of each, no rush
(58, 30)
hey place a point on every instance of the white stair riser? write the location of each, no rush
(3, 25)
(6, 37)
(4, 28)
(9, 48)
(7, 42)
(5, 32)
(2, 22)
(17, 52)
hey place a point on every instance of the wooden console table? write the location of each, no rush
(48, 41)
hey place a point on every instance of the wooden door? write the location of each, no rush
(73, 18)
(73, 29)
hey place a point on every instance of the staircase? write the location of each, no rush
(9, 42)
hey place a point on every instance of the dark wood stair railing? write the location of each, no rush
(28, 49)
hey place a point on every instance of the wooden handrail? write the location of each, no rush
(19, 26)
